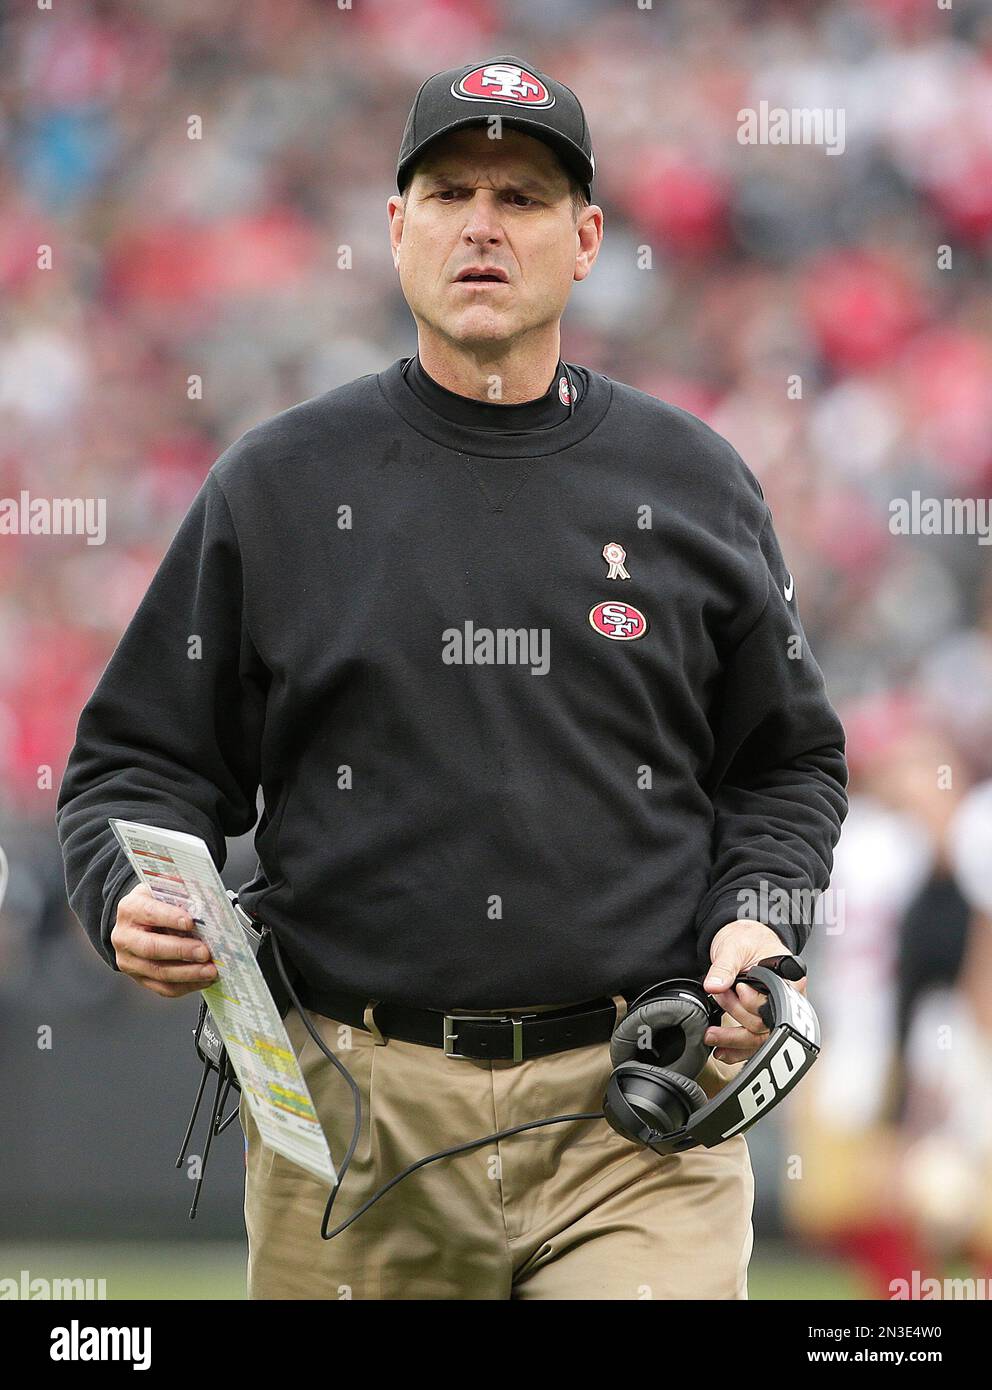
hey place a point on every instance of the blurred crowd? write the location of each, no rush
(829, 314)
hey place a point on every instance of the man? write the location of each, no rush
(512, 651)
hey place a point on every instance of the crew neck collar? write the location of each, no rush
(486, 430)
(543, 412)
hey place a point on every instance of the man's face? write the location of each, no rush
(503, 204)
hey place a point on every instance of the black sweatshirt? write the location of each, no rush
(482, 788)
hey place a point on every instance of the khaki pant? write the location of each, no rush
(571, 1211)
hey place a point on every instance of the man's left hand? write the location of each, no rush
(736, 947)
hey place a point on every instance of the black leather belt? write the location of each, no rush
(509, 1037)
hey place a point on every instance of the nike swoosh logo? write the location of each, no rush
(789, 589)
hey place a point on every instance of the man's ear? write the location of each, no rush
(394, 210)
(590, 237)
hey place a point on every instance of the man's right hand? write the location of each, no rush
(155, 945)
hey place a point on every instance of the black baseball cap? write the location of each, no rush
(506, 87)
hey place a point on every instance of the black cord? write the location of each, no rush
(421, 1162)
(446, 1153)
(356, 1093)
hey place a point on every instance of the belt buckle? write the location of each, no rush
(451, 1036)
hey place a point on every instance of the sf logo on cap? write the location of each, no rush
(503, 82)
(621, 622)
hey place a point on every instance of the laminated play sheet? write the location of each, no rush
(179, 870)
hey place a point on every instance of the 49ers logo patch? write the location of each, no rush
(503, 82)
(621, 622)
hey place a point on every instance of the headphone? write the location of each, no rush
(653, 1097)
(656, 1101)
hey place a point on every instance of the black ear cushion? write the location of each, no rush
(675, 1022)
(648, 1092)
(691, 1089)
